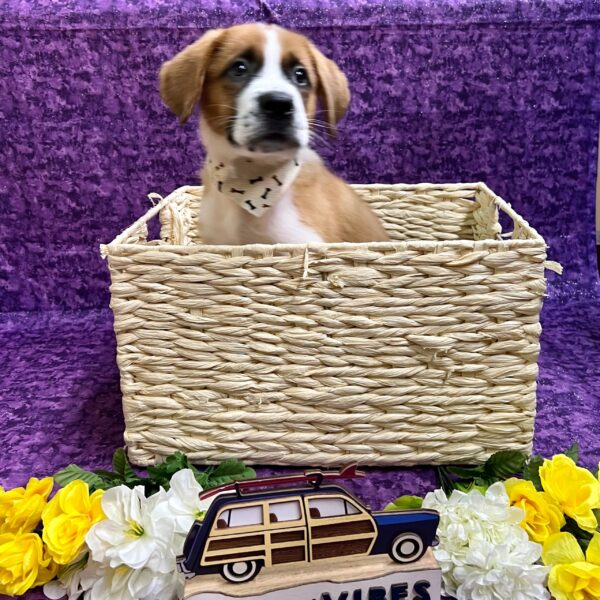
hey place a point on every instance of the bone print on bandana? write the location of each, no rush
(252, 186)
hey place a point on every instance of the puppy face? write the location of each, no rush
(266, 82)
(257, 87)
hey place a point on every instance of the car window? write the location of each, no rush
(280, 512)
(244, 516)
(330, 507)
(351, 509)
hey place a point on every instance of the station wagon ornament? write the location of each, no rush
(299, 522)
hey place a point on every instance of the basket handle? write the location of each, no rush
(139, 229)
(519, 224)
(553, 266)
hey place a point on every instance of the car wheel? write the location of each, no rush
(407, 548)
(240, 572)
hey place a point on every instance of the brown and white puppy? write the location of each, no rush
(257, 86)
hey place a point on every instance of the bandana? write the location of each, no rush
(252, 186)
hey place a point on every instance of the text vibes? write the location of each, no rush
(397, 591)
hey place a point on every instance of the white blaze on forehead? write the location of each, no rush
(270, 78)
(271, 69)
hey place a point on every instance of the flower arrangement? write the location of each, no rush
(104, 534)
(518, 528)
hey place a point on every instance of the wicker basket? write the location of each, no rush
(419, 350)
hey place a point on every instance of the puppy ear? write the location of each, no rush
(332, 89)
(181, 78)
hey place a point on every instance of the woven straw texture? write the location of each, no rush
(419, 350)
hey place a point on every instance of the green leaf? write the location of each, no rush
(121, 465)
(405, 502)
(73, 472)
(481, 484)
(477, 484)
(466, 472)
(228, 467)
(228, 471)
(177, 461)
(158, 476)
(446, 482)
(106, 474)
(118, 462)
(573, 452)
(201, 477)
(109, 476)
(156, 472)
(161, 474)
(531, 471)
(504, 464)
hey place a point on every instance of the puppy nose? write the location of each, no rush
(276, 105)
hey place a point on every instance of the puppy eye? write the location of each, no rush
(239, 69)
(300, 76)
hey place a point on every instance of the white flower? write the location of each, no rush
(137, 532)
(123, 583)
(484, 554)
(501, 571)
(183, 504)
(100, 582)
(68, 582)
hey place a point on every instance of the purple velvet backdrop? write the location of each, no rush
(443, 90)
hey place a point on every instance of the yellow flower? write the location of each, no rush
(574, 489)
(67, 519)
(21, 508)
(23, 563)
(543, 517)
(573, 576)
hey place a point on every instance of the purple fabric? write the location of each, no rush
(443, 90)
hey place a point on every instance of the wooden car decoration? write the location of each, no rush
(298, 520)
